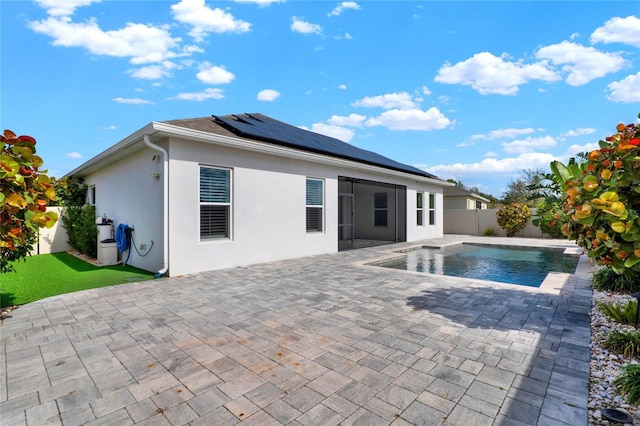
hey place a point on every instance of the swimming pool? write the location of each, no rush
(507, 264)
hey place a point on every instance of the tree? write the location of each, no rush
(457, 183)
(69, 191)
(520, 189)
(602, 198)
(25, 192)
(549, 216)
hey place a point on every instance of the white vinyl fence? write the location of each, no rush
(475, 222)
(52, 240)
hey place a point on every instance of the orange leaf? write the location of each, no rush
(25, 138)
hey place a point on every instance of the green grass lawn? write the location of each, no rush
(48, 275)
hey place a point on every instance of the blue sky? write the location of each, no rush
(475, 91)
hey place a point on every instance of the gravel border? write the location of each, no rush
(605, 365)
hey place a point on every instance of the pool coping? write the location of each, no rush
(552, 284)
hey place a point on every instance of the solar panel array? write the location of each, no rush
(263, 128)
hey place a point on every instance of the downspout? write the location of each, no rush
(165, 204)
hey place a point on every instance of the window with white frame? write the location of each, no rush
(215, 202)
(91, 195)
(432, 209)
(420, 209)
(380, 209)
(315, 205)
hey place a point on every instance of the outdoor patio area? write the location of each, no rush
(319, 340)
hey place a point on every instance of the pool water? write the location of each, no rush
(513, 265)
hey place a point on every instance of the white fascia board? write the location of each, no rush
(282, 151)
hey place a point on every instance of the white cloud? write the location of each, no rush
(352, 120)
(489, 74)
(63, 7)
(268, 95)
(626, 90)
(346, 36)
(490, 154)
(402, 100)
(205, 20)
(260, 3)
(573, 150)
(413, 119)
(153, 72)
(618, 30)
(304, 27)
(214, 74)
(209, 93)
(581, 131)
(111, 127)
(342, 87)
(426, 91)
(189, 50)
(132, 101)
(344, 6)
(529, 144)
(337, 132)
(491, 166)
(581, 64)
(465, 144)
(503, 134)
(142, 43)
(73, 154)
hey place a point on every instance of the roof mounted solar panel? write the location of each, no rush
(266, 129)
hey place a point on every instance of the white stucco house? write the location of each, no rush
(222, 191)
(459, 198)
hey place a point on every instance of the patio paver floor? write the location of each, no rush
(317, 340)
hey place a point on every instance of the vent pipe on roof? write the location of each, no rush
(165, 205)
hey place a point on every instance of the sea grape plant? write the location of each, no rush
(513, 218)
(25, 192)
(602, 199)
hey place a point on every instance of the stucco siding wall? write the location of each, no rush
(128, 193)
(268, 208)
(415, 232)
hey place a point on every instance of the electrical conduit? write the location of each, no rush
(165, 205)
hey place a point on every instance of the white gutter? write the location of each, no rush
(165, 204)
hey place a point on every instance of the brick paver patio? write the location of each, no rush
(314, 341)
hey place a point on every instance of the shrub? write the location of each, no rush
(628, 383)
(626, 343)
(550, 217)
(80, 223)
(602, 199)
(69, 191)
(606, 279)
(513, 218)
(623, 314)
(489, 232)
(25, 192)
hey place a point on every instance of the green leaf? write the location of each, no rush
(631, 261)
(561, 171)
